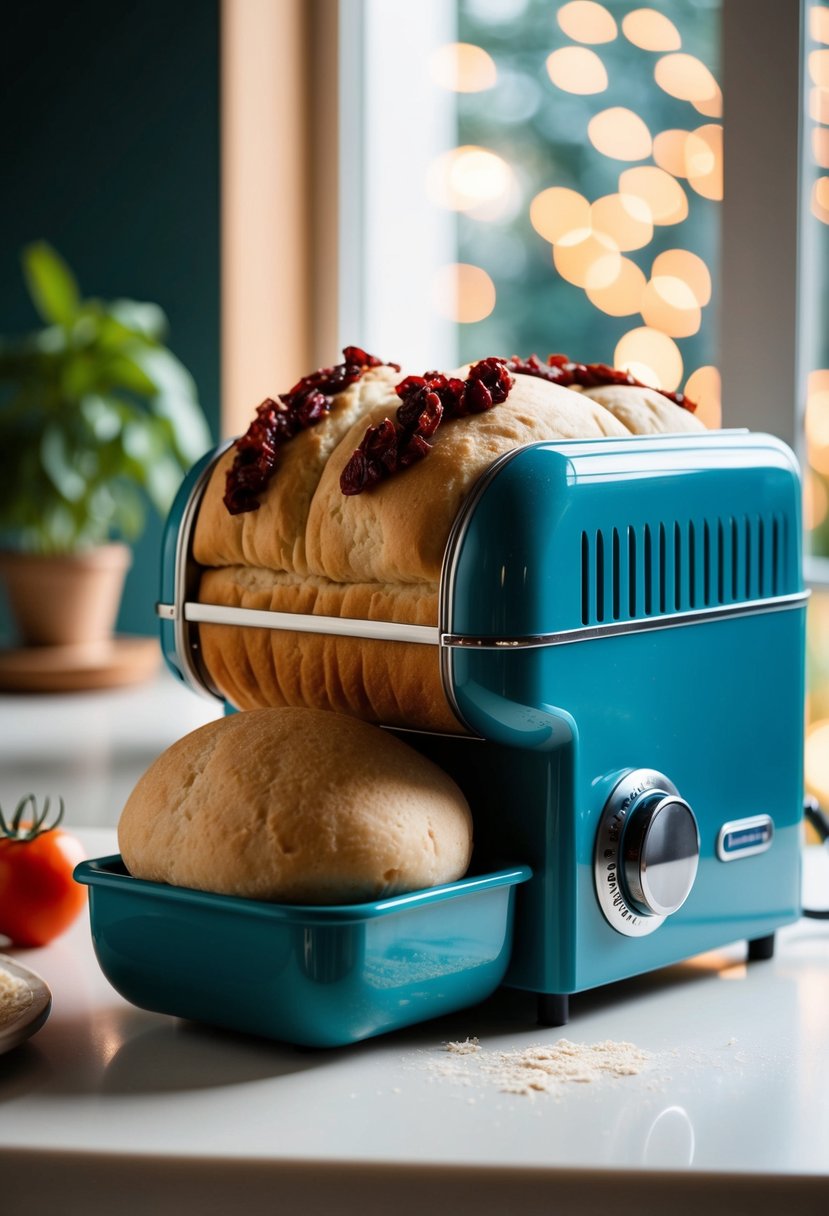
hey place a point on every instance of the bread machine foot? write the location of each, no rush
(553, 1009)
(761, 948)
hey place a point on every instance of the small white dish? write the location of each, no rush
(33, 1009)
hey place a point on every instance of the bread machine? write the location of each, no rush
(621, 636)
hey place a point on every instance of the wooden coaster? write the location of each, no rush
(121, 660)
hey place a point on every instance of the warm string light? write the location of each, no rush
(590, 239)
(704, 386)
(819, 23)
(575, 69)
(586, 21)
(688, 79)
(462, 67)
(816, 421)
(820, 199)
(463, 293)
(620, 134)
(473, 180)
(651, 31)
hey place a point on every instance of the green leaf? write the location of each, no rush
(176, 402)
(141, 442)
(51, 284)
(102, 416)
(163, 480)
(138, 318)
(79, 374)
(123, 370)
(51, 341)
(58, 465)
(128, 511)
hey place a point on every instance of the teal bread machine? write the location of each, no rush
(621, 637)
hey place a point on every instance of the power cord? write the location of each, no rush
(819, 820)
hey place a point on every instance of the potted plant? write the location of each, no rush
(97, 419)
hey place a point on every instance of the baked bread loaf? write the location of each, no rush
(295, 806)
(375, 555)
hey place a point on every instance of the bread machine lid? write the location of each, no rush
(559, 543)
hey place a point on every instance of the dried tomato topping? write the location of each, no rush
(425, 402)
(560, 370)
(277, 421)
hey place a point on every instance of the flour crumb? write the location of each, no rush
(731, 1043)
(466, 1047)
(541, 1068)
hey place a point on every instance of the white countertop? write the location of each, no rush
(91, 747)
(113, 1107)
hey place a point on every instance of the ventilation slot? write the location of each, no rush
(631, 572)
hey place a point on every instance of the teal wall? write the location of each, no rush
(109, 147)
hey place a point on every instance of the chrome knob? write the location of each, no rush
(647, 852)
(660, 855)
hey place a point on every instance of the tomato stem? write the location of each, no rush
(36, 826)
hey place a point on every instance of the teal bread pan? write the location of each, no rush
(315, 976)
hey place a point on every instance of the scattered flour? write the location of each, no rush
(466, 1047)
(541, 1068)
(15, 997)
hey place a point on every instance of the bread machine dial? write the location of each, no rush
(647, 852)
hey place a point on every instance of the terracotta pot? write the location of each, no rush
(66, 599)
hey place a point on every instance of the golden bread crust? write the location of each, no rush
(376, 555)
(296, 806)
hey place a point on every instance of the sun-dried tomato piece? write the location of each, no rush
(426, 401)
(559, 369)
(278, 421)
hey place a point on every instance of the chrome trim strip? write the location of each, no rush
(186, 649)
(589, 633)
(446, 587)
(339, 626)
(427, 635)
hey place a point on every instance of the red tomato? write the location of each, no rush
(38, 896)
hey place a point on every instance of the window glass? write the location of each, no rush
(586, 179)
(815, 338)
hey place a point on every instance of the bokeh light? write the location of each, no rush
(557, 210)
(682, 264)
(815, 500)
(625, 218)
(704, 160)
(462, 67)
(704, 388)
(820, 146)
(620, 134)
(819, 23)
(622, 296)
(651, 356)
(819, 104)
(587, 258)
(816, 421)
(471, 179)
(651, 31)
(669, 151)
(463, 293)
(669, 305)
(688, 79)
(820, 199)
(817, 760)
(575, 69)
(819, 68)
(711, 106)
(665, 198)
(586, 21)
